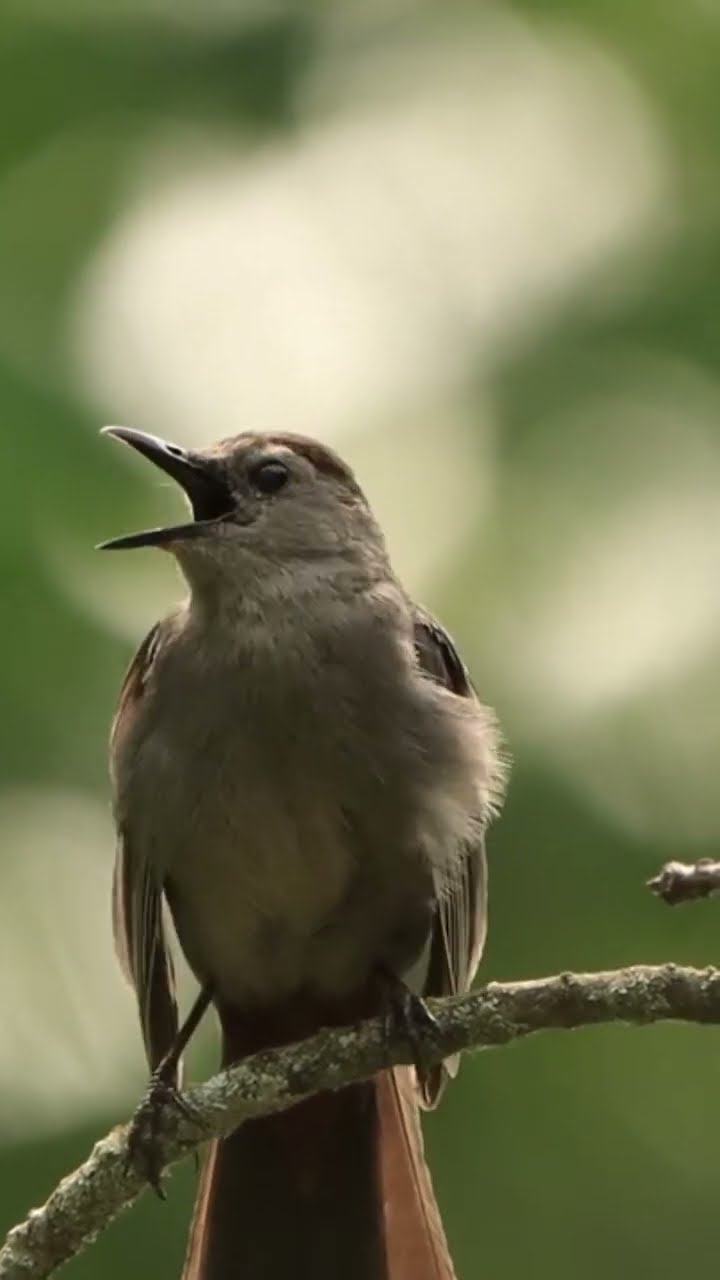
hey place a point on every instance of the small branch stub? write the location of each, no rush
(678, 882)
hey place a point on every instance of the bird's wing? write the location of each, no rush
(461, 919)
(137, 898)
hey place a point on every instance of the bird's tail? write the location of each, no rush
(335, 1187)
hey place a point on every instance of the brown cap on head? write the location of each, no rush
(324, 459)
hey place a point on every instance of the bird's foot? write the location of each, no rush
(408, 1017)
(151, 1124)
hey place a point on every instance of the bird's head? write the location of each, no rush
(257, 501)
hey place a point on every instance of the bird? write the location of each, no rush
(303, 774)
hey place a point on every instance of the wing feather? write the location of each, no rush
(137, 898)
(461, 920)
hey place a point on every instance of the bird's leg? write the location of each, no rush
(161, 1095)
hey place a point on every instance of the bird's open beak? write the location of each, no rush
(201, 478)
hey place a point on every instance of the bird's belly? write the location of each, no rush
(247, 919)
(256, 863)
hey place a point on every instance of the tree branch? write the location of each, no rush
(683, 881)
(88, 1199)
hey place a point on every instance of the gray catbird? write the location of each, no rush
(302, 771)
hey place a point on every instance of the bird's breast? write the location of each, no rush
(256, 797)
(248, 830)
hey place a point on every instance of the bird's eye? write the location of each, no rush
(268, 477)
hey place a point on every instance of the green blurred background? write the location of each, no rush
(477, 249)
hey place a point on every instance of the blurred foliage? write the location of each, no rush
(567, 1155)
